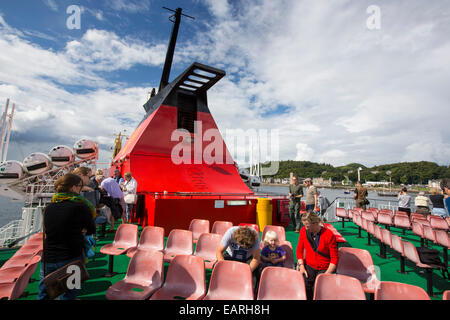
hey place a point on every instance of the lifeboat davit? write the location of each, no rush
(61, 155)
(37, 163)
(11, 171)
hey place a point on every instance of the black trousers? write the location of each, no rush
(311, 280)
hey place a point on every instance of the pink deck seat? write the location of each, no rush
(126, 237)
(19, 261)
(412, 255)
(368, 215)
(289, 262)
(230, 280)
(197, 227)
(389, 211)
(179, 242)
(152, 238)
(281, 284)
(337, 287)
(358, 263)
(402, 221)
(398, 246)
(385, 218)
(220, 227)
(12, 290)
(443, 240)
(417, 216)
(206, 248)
(429, 233)
(400, 291)
(30, 249)
(438, 222)
(446, 295)
(185, 280)
(387, 237)
(360, 210)
(279, 230)
(400, 213)
(144, 276)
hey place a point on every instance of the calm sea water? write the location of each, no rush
(10, 211)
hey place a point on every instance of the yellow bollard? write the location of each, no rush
(263, 213)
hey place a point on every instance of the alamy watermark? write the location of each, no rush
(373, 22)
(74, 20)
(244, 146)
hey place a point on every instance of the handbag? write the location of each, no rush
(130, 198)
(57, 282)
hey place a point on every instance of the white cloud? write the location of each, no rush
(51, 4)
(131, 6)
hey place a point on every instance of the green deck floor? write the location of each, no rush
(96, 286)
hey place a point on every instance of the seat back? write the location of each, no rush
(152, 237)
(356, 263)
(446, 295)
(281, 284)
(397, 244)
(438, 222)
(341, 212)
(185, 278)
(377, 232)
(230, 280)
(126, 235)
(289, 262)
(387, 238)
(179, 241)
(411, 252)
(146, 268)
(197, 227)
(402, 221)
(388, 290)
(384, 218)
(368, 215)
(388, 211)
(220, 227)
(207, 246)
(417, 228)
(442, 238)
(429, 233)
(338, 287)
(279, 230)
(370, 227)
(23, 279)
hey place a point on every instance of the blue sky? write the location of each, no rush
(336, 90)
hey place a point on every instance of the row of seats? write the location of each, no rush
(231, 280)
(15, 273)
(406, 249)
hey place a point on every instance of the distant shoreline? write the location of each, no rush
(396, 190)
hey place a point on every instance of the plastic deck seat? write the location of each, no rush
(179, 242)
(417, 216)
(30, 249)
(19, 261)
(185, 280)
(368, 215)
(337, 287)
(402, 221)
(446, 295)
(443, 240)
(438, 223)
(289, 262)
(206, 248)
(343, 214)
(400, 291)
(152, 238)
(370, 231)
(384, 218)
(281, 284)
(397, 245)
(358, 263)
(197, 227)
(379, 235)
(230, 280)
(387, 237)
(388, 211)
(279, 230)
(12, 290)
(126, 238)
(412, 255)
(429, 233)
(144, 276)
(360, 210)
(221, 227)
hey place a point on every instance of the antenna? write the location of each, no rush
(171, 48)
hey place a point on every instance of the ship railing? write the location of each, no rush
(211, 195)
(10, 232)
(17, 232)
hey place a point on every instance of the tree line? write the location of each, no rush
(400, 173)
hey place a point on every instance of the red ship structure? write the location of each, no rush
(172, 192)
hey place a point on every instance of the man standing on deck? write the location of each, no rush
(295, 195)
(311, 196)
(360, 195)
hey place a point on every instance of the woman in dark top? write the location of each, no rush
(437, 199)
(66, 220)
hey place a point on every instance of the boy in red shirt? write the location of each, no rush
(321, 253)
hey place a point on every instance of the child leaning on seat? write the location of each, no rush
(272, 255)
